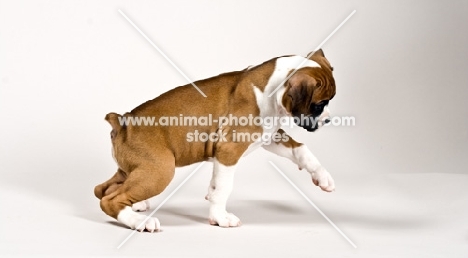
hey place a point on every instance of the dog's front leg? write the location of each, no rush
(303, 158)
(218, 193)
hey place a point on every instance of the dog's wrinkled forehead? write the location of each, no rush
(310, 87)
(315, 84)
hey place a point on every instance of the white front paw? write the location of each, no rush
(323, 179)
(141, 206)
(224, 219)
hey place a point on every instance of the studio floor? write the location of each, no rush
(390, 215)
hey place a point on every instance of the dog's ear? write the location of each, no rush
(319, 56)
(318, 53)
(300, 89)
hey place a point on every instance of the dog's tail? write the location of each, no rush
(114, 121)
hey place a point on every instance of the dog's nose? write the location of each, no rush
(326, 121)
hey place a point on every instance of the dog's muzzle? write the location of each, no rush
(311, 124)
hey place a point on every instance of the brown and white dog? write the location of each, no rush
(148, 155)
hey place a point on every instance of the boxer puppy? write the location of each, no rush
(147, 155)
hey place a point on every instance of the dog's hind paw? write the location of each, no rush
(137, 221)
(151, 225)
(141, 206)
(225, 220)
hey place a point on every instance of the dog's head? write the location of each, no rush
(308, 92)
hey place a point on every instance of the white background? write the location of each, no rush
(401, 172)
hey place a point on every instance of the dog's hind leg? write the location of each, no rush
(110, 185)
(147, 180)
(113, 184)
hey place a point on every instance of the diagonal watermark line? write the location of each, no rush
(160, 205)
(313, 204)
(311, 53)
(162, 53)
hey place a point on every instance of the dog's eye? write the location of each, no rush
(317, 109)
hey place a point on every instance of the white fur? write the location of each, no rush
(294, 62)
(132, 219)
(141, 206)
(218, 192)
